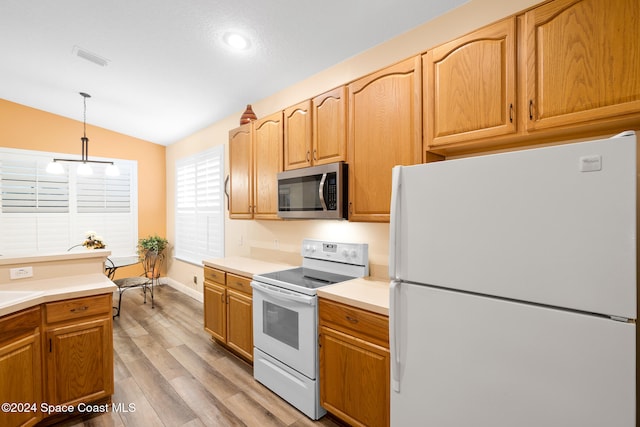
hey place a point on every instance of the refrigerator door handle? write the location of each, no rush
(394, 226)
(394, 333)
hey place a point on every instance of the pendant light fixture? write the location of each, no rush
(84, 168)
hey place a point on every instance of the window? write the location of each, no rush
(40, 212)
(199, 206)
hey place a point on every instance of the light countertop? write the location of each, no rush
(246, 267)
(37, 292)
(366, 293)
(54, 257)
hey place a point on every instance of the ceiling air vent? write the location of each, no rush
(90, 56)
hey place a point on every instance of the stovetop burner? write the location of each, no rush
(323, 263)
(306, 277)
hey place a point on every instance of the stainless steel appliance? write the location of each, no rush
(285, 320)
(513, 300)
(317, 192)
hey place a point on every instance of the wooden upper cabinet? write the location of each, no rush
(241, 173)
(315, 131)
(470, 86)
(583, 62)
(297, 136)
(385, 129)
(267, 146)
(329, 126)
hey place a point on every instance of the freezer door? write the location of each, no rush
(554, 225)
(463, 360)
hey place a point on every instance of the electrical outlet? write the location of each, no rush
(195, 279)
(21, 272)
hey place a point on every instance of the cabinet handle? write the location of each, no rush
(308, 155)
(222, 298)
(351, 319)
(79, 309)
(239, 284)
(315, 154)
(531, 109)
(50, 346)
(511, 113)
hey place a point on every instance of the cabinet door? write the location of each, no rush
(385, 129)
(297, 136)
(215, 311)
(241, 173)
(470, 86)
(354, 378)
(582, 62)
(79, 362)
(240, 325)
(330, 126)
(20, 367)
(267, 143)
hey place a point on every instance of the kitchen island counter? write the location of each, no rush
(367, 293)
(51, 277)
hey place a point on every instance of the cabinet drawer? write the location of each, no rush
(78, 308)
(239, 283)
(16, 324)
(214, 275)
(359, 323)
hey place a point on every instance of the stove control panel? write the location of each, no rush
(346, 253)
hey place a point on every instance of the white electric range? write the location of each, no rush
(285, 319)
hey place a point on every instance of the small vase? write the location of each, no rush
(248, 115)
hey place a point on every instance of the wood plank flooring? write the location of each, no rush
(168, 372)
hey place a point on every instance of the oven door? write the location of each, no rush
(285, 326)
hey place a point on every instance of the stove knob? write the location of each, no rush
(345, 253)
(353, 253)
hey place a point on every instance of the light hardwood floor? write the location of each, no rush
(168, 370)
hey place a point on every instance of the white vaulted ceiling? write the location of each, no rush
(168, 74)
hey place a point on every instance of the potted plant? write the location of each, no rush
(153, 243)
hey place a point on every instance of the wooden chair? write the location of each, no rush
(152, 263)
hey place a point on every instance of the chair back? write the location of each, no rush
(152, 263)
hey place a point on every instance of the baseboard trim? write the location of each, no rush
(193, 293)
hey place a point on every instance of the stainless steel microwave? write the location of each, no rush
(318, 192)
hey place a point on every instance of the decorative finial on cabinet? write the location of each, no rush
(248, 115)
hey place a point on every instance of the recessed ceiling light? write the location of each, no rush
(236, 41)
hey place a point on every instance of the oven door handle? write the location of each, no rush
(283, 294)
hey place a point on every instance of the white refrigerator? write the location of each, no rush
(513, 288)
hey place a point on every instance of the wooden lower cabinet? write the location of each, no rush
(20, 368)
(228, 310)
(79, 350)
(240, 325)
(58, 353)
(354, 364)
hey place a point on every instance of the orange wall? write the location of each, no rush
(30, 129)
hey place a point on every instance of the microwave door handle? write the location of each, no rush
(321, 191)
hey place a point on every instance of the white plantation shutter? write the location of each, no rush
(27, 187)
(199, 206)
(41, 212)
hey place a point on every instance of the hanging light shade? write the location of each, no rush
(84, 168)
